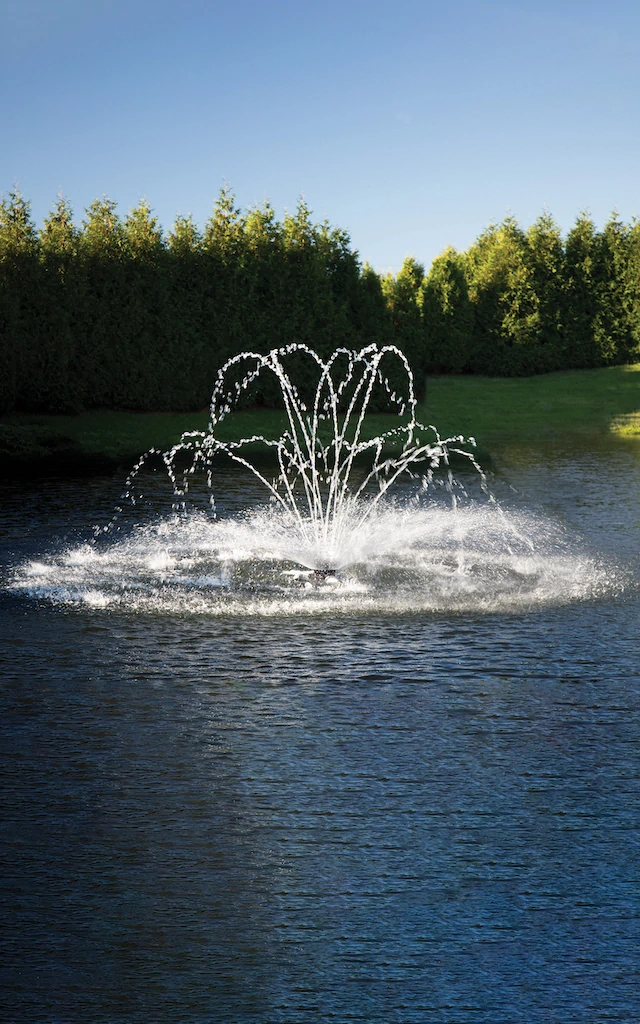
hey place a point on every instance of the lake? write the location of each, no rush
(226, 802)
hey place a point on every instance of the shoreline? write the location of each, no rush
(495, 411)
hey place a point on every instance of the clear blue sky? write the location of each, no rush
(410, 124)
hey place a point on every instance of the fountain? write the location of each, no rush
(337, 518)
(323, 495)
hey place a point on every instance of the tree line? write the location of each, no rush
(520, 302)
(114, 313)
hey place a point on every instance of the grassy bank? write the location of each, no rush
(584, 402)
(493, 410)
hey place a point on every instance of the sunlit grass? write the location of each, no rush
(585, 402)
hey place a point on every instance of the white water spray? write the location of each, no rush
(325, 498)
(348, 522)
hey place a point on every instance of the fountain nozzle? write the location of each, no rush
(321, 574)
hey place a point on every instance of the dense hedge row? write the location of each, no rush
(524, 302)
(114, 314)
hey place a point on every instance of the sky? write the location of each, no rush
(412, 125)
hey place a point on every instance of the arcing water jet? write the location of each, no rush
(330, 476)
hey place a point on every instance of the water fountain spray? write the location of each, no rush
(320, 485)
(330, 537)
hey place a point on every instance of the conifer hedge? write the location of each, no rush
(116, 314)
(524, 302)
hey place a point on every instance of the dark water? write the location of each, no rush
(376, 817)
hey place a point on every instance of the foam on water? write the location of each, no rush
(408, 559)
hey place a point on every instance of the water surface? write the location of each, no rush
(357, 814)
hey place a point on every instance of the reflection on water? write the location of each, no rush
(370, 817)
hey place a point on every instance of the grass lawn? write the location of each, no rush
(585, 402)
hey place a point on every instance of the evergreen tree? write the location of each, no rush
(404, 296)
(61, 296)
(632, 289)
(18, 236)
(545, 261)
(370, 314)
(264, 278)
(59, 237)
(20, 281)
(448, 315)
(584, 269)
(223, 312)
(141, 235)
(311, 313)
(613, 334)
(185, 320)
(184, 238)
(102, 230)
(502, 289)
(103, 349)
(153, 359)
(224, 230)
